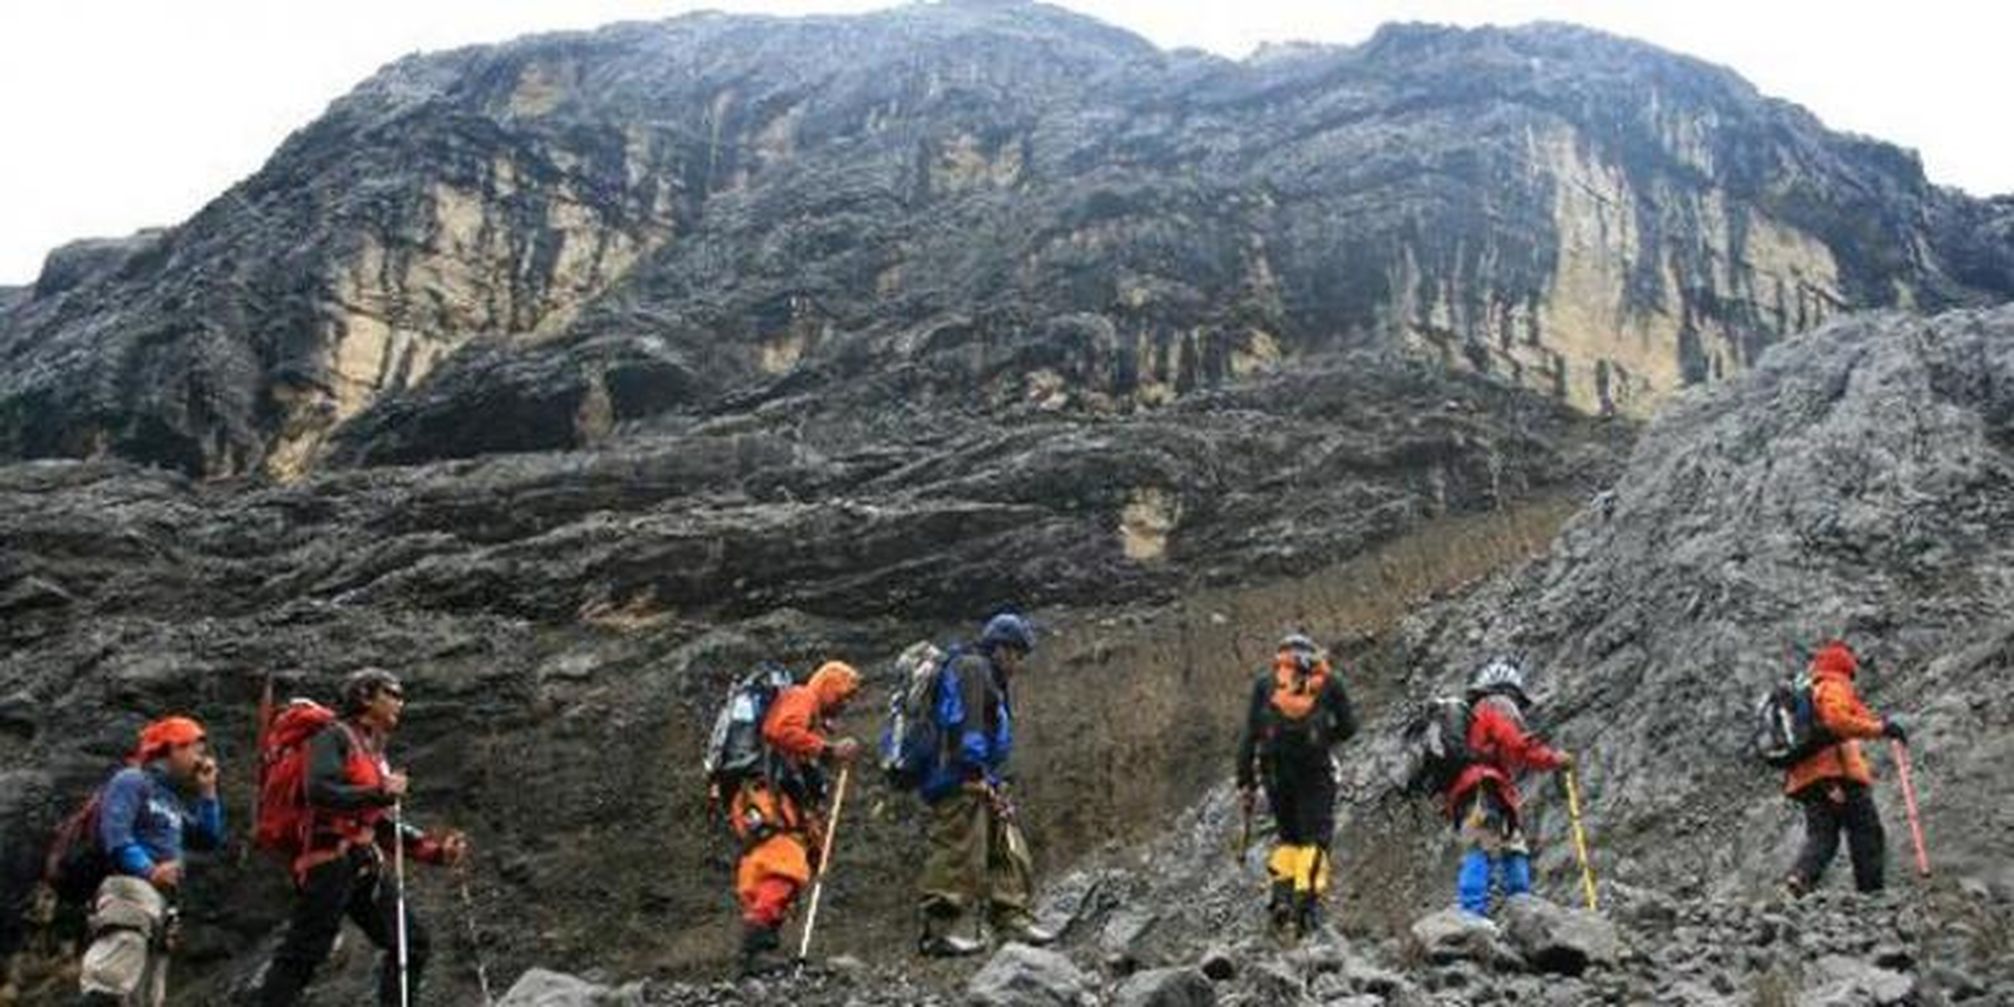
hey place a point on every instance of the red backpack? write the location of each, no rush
(76, 863)
(282, 818)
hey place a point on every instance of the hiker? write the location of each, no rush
(775, 813)
(1299, 711)
(1833, 783)
(977, 857)
(344, 867)
(1483, 802)
(163, 802)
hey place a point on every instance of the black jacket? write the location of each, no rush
(1263, 745)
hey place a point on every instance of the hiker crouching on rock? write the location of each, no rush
(977, 857)
(1833, 783)
(351, 793)
(776, 814)
(1299, 711)
(1483, 803)
(148, 812)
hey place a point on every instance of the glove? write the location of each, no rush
(1892, 728)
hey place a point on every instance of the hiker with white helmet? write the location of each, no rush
(1483, 801)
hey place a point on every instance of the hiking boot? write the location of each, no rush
(939, 942)
(1023, 931)
(1280, 912)
(1794, 888)
(948, 946)
(759, 954)
(1308, 914)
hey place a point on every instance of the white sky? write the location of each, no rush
(122, 114)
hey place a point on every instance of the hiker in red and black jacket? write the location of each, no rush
(1484, 802)
(344, 869)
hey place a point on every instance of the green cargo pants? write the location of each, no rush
(976, 859)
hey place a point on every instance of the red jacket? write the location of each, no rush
(1838, 707)
(1503, 749)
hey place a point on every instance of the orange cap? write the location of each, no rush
(164, 734)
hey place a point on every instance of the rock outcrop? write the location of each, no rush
(533, 245)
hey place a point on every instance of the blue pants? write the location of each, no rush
(1509, 872)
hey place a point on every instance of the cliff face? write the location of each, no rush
(660, 220)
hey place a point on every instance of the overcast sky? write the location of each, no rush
(122, 114)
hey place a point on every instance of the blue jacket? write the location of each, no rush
(143, 821)
(976, 718)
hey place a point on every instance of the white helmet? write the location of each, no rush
(1501, 674)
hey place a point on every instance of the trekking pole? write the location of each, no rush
(1244, 834)
(475, 937)
(824, 865)
(1579, 838)
(1909, 803)
(399, 880)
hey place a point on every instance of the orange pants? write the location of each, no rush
(775, 866)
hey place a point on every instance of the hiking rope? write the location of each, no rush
(475, 937)
(1579, 838)
(1909, 803)
(824, 865)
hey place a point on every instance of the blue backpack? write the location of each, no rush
(911, 741)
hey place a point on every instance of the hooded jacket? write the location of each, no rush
(1840, 711)
(975, 714)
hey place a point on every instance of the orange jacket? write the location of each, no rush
(1838, 707)
(796, 723)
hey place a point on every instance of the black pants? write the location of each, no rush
(358, 886)
(1833, 807)
(1302, 795)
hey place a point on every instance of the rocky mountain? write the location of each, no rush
(568, 378)
(1003, 203)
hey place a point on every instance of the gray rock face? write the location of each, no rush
(541, 988)
(528, 246)
(1852, 487)
(1559, 940)
(1844, 982)
(1022, 976)
(1170, 987)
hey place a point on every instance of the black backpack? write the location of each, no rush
(1435, 745)
(1785, 729)
(76, 865)
(735, 749)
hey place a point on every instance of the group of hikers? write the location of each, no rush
(331, 802)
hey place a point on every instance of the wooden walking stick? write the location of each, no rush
(824, 864)
(1579, 839)
(1909, 803)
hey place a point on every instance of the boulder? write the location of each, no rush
(1559, 940)
(543, 988)
(1174, 987)
(1023, 976)
(1453, 935)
